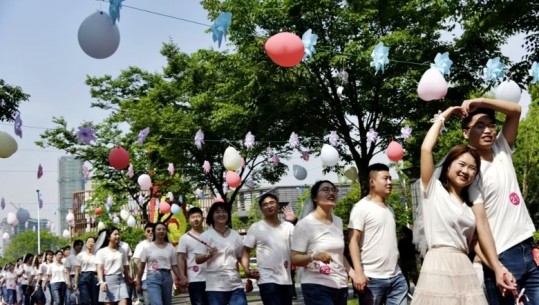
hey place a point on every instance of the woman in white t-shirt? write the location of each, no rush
(86, 274)
(317, 244)
(159, 258)
(57, 277)
(221, 248)
(48, 258)
(112, 269)
(10, 281)
(26, 274)
(447, 275)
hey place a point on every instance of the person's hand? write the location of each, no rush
(183, 281)
(454, 110)
(69, 286)
(506, 282)
(253, 274)
(324, 257)
(212, 251)
(44, 287)
(103, 286)
(138, 286)
(289, 214)
(75, 286)
(360, 281)
(471, 105)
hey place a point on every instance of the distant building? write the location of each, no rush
(70, 180)
(13, 231)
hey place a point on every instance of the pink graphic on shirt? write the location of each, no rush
(514, 198)
(154, 266)
(325, 269)
(286, 264)
(195, 268)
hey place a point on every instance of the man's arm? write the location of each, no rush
(360, 280)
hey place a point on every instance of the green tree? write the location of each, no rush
(26, 242)
(526, 157)
(347, 32)
(10, 99)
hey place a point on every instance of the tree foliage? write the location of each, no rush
(26, 242)
(10, 99)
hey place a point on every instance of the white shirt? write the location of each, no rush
(312, 236)
(272, 251)
(138, 251)
(379, 249)
(221, 270)
(27, 272)
(86, 261)
(70, 263)
(195, 272)
(113, 261)
(11, 279)
(56, 273)
(159, 258)
(506, 210)
(448, 222)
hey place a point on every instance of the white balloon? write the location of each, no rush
(351, 173)
(12, 219)
(508, 91)
(100, 226)
(5, 236)
(329, 155)
(432, 85)
(131, 221)
(145, 182)
(66, 234)
(70, 217)
(232, 159)
(124, 214)
(98, 36)
(116, 220)
(8, 145)
(299, 172)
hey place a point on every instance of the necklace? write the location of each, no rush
(221, 233)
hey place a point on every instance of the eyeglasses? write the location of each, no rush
(149, 231)
(481, 126)
(327, 190)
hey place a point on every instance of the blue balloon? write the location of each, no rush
(175, 209)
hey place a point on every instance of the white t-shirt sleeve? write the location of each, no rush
(357, 220)
(182, 245)
(298, 241)
(250, 238)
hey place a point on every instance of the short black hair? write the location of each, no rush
(377, 167)
(489, 112)
(78, 242)
(266, 195)
(194, 210)
(149, 225)
(214, 207)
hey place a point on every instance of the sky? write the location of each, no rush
(39, 52)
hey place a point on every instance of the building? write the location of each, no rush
(13, 231)
(70, 180)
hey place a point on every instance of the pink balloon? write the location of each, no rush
(285, 49)
(218, 199)
(164, 207)
(233, 179)
(432, 85)
(119, 158)
(395, 151)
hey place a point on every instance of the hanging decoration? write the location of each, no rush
(509, 91)
(164, 207)
(5, 236)
(220, 27)
(309, 41)
(85, 171)
(99, 36)
(199, 139)
(299, 171)
(351, 173)
(494, 69)
(170, 169)
(18, 125)
(293, 140)
(443, 63)
(130, 171)
(534, 72)
(380, 57)
(249, 142)
(395, 151)
(124, 215)
(145, 182)
(340, 90)
(98, 211)
(119, 158)
(175, 209)
(12, 219)
(285, 49)
(432, 85)
(142, 135)
(406, 132)
(2, 203)
(39, 171)
(114, 10)
(329, 155)
(333, 138)
(131, 221)
(8, 145)
(86, 134)
(372, 136)
(343, 76)
(305, 155)
(206, 167)
(231, 159)
(233, 179)
(275, 159)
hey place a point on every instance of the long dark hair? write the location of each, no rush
(453, 154)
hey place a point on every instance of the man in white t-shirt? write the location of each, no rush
(196, 273)
(148, 234)
(271, 238)
(373, 244)
(498, 203)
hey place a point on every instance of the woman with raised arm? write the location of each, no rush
(447, 275)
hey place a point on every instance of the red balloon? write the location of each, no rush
(98, 211)
(233, 179)
(119, 158)
(164, 207)
(395, 151)
(285, 49)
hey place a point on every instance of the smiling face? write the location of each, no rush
(269, 206)
(160, 231)
(114, 237)
(462, 171)
(220, 217)
(195, 220)
(326, 195)
(481, 132)
(90, 243)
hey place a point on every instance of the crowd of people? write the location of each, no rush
(471, 207)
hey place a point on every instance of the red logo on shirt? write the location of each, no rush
(514, 198)
(195, 268)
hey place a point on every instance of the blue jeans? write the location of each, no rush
(275, 294)
(159, 285)
(391, 291)
(519, 261)
(234, 297)
(89, 291)
(314, 294)
(145, 294)
(26, 295)
(69, 291)
(197, 293)
(58, 291)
